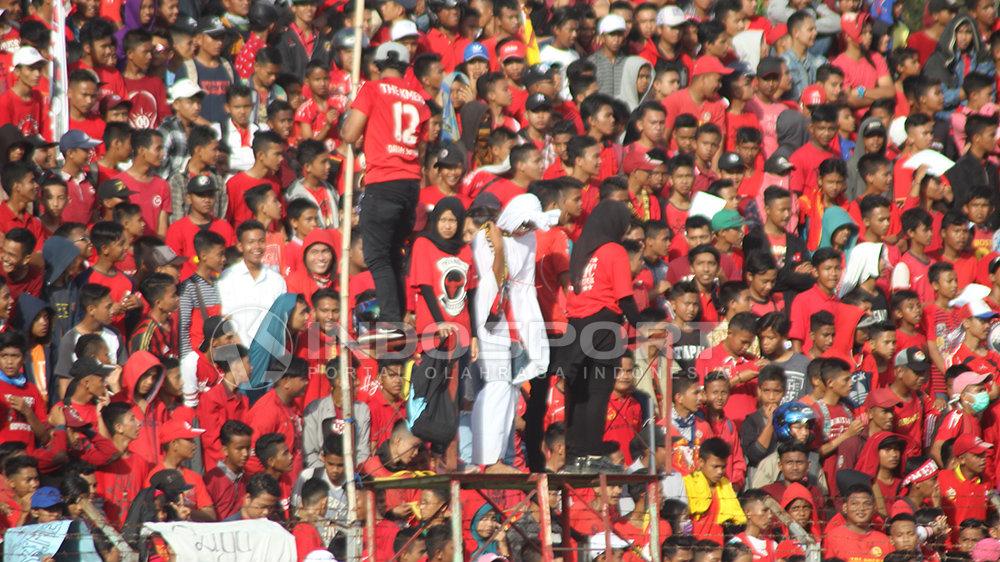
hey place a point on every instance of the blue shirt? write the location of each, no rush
(803, 71)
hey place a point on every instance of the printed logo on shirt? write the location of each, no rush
(951, 494)
(454, 274)
(144, 111)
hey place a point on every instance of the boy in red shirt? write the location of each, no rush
(109, 243)
(856, 541)
(268, 152)
(911, 270)
(22, 105)
(226, 481)
(272, 452)
(966, 419)
(731, 358)
(911, 368)
(201, 196)
(835, 421)
(711, 499)
(624, 418)
(177, 439)
(821, 296)
(806, 160)
(22, 409)
(955, 250)
(152, 192)
(275, 412)
(939, 321)
(757, 535)
(963, 492)
(223, 402)
(717, 394)
(155, 333)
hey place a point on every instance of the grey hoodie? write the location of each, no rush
(792, 132)
(855, 183)
(630, 74)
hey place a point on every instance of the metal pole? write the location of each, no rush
(667, 386)
(545, 517)
(652, 497)
(605, 516)
(370, 522)
(346, 396)
(456, 521)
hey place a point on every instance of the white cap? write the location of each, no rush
(320, 556)
(26, 56)
(403, 28)
(185, 88)
(597, 544)
(610, 24)
(670, 16)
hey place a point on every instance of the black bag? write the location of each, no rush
(437, 422)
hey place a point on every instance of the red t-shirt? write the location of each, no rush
(9, 220)
(180, 235)
(623, 422)
(607, 278)
(450, 277)
(13, 425)
(120, 285)
(93, 126)
(152, 196)
(149, 101)
(962, 498)
(237, 211)
(804, 306)
(909, 418)
(551, 261)
(805, 176)
(851, 546)
(28, 115)
(118, 483)
(708, 111)
(397, 119)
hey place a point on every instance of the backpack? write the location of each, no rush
(433, 414)
(191, 70)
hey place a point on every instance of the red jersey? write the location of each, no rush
(804, 306)
(9, 219)
(237, 211)
(607, 278)
(450, 48)
(450, 277)
(743, 398)
(384, 415)
(153, 196)
(28, 115)
(909, 418)
(623, 422)
(271, 415)
(708, 111)
(180, 234)
(962, 498)
(215, 406)
(397, 119)
(551, 262)
(148, 96)
(13, 425)
(118, 483)
(804, 178)
(850, 546)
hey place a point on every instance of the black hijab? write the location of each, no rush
(607, 223)
(451, 245)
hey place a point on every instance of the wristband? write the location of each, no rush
(861, 91)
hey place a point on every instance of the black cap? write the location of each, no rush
(892, 442)
(913, 358)
(214, 327)
(201, 185)
(186, 25)
(451, 156)
(848, 477)
(731, 162)
(211, 25)
(170, 481)
(873, 128)
(111, 189)
(262, 14)
(537, 73)
(86, 366)
(769, 67)
(778, 165)
(538, 102)
(935, 6)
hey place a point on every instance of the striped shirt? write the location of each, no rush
(190, 305)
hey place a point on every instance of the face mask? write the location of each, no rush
(980, 401)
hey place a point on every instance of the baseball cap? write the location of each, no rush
(726, 219)
(46, 497)
(873, 128)
(778, 165)
(26, 56)
(670, 16)
(344, 39)
(611, 23)
(978, 309)
(475, 51)
(813, 95)
(968, 443)
(402, 29)
(185, 88)
(537, 73)
(162, 255)
(538, 102)
(261, 14)
(512, 50)
(935, 6)
(708, 64)
(769, 67)
(186, 25)
(884, 398)
(113, 101)
(639, 160)
(170, 481)
(73, 418)
(913, 358)
(451, 156)
(110, 189)
(392, 51)
(177, 428)
(201, 185)
(775, 33)
(851, 24)
(77, 139)
(967, 379)
(731, 162)
(210, 26)
(214, 327)
(87, 366)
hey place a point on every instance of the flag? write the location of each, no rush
(530, 41)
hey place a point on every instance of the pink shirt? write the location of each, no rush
(767, 114)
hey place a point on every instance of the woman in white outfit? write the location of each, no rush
(509, 318)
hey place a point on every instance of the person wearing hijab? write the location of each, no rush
(865, 264)
(509, 322)
(882, 459)
(602, 295)
(442, 277)
(274, 340)
(139, 14)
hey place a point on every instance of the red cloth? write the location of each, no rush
(804, 179)
(149, 101)
(451, 49)
(227, 495)
(607, 278)
(307, 539)
(180, 235)
(551, 262)
(215, 406)
(270, 415)
(237, 211)
(962, 498)
(384, 415)
(397, 119)
(622, 423)
(29, 115)
(450, 277)
(118, 483)
(851, 546)
(13, 425)
(152, 196)
(804, 306)
(708, 111)
(9, 219)
(743, 398)
(30, 284)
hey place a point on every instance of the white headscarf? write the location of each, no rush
(747, 45)
(863, 263)
(519, 254)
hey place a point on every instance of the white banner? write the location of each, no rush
(257, 540)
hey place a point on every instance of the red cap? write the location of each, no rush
(639, 160)
(708, 65)
(177, 428)
(775, 33)
(968, 443)
(852, 23)
(512, 50)
(813, 95)
(884, 398)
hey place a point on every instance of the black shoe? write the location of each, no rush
(381, 334)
